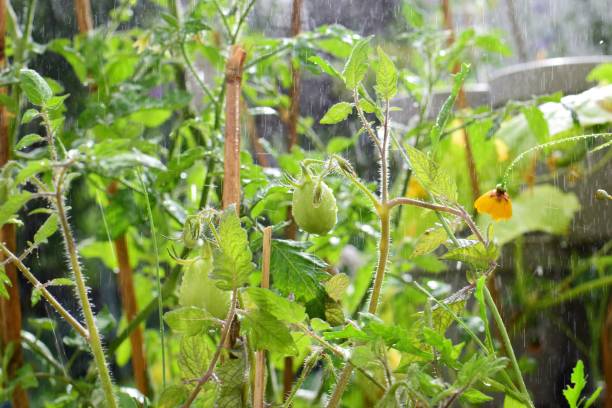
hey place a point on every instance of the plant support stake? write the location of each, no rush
(260, 355)
(233, 78)
(10, 309)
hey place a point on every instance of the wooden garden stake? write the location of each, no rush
(130, 307)
(82, 10)
(10, 309)
(294, 116)
(259, 388)
(231, 161)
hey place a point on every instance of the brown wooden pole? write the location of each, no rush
(130, 308)
(231, 158)
(292, 125)
(10, 309)
(231, 161)
(259, 388)
(82, 10)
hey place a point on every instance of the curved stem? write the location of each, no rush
(507, 344)
(95, 341)
(45, 293)
(545, 145)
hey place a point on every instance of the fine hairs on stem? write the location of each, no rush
(90, 331)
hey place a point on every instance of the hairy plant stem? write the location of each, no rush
(71, 320)
(507, 344)
(213, 362)
(94, 339)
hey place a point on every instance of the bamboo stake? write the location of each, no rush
(259, 388)
(10, 309)
(462, 103)
(130, 306)
(231, 162)
(82, 10)
(294, 115)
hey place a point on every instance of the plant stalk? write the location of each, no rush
(94, 339)
(507, 344)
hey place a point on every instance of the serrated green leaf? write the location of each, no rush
(295, 271)
(386, 76)
(337, 285)
(479, 367)
(447, 107)
(433, 179)
(47, 229)
(34, 87)
(232, 260)
(189, 321)
(231, 380)
(12, 206)
(474, 254)
(173, 396)
(572, 392)
(337, 113)
(277, 306)
(357, 64)
(28, 140)
(429, 241)
(194, 356)
(268, 333)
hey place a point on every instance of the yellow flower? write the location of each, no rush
(496, 203)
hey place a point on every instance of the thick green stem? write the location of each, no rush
(507, 344)
(95, 341)
(383, 255)
(342, 383)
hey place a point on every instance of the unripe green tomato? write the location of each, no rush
(314, 208)
(198, 290)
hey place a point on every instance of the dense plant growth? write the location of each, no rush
(360, 271)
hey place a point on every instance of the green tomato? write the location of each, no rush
(199, 290)
(314, 207)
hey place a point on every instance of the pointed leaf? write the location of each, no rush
(357, 64)
(337, 113)
(232, 260)
(47, 229)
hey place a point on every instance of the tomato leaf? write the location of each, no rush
(357, 64)
(232, 260)
(268, 333)
(337, 113)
